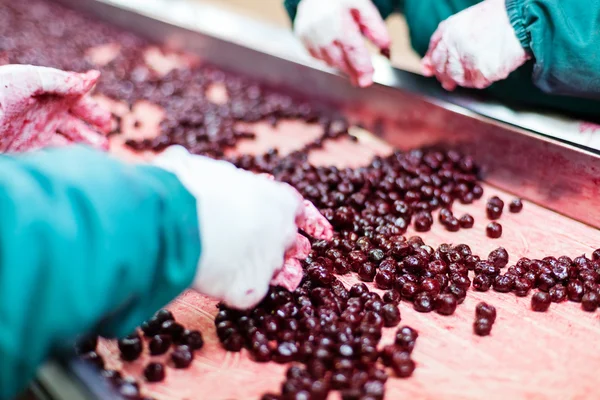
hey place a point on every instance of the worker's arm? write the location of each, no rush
(563, 38)
(86, 243)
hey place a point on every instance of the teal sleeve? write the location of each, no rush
(564, 39)
(385, 7)
(424, 16)
(87, 243)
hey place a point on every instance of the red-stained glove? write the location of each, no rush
(333, 30)
(474, 48)
(42, 107)
(248, 228)
(311, 221)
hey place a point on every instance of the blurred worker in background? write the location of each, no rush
(533, 52)
(91, 244)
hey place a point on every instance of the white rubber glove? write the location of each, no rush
(247, 223)
(474, 48)
(42, 106)
(332, 31)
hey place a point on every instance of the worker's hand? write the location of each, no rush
(474, 48)
(333, 30)
(42, 107)
(247, 224)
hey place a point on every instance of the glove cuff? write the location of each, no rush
(515, 9)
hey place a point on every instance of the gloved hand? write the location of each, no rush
(474, 48)
(332, 31)
(247, 223)
(313, 223)
(36, 103)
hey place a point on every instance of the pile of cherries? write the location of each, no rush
(330, 333)
(208, 128)
(384, 197)
(161, 333)
(370, 209)
(557, 279)
(193, 120)
(333, 333)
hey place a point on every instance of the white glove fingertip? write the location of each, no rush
(449, 85)
(365, 80)
(247, 297)
(427, 67)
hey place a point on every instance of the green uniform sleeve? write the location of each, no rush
(385, 7)
(87, 243)
(564, 38)
(424, 16)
